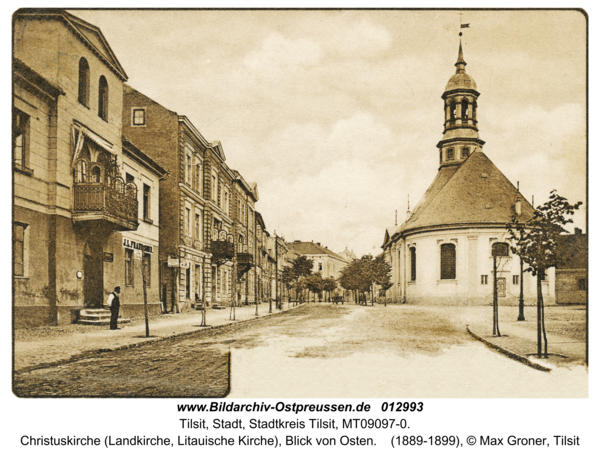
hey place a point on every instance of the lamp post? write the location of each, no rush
(276, 271)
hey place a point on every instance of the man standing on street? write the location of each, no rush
(114, 303)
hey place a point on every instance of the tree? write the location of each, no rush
(537, 243)
(329, 285)
(314, 282)
(301, 268)
(289, 278)
(352, 277)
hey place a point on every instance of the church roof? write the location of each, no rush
(460, 80)
(473, 192)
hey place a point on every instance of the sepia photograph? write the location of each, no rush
(300, 203)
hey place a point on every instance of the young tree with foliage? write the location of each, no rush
(536, 242)
(352, 277)
(329, 285)
(301, 269)
(289, 278)
(314, 282)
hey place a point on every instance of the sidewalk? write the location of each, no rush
(41, 347)
(519, 338)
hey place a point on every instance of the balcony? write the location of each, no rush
(245, 262)
(113, 207)
(221, 250)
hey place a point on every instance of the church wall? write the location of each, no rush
(473, 260)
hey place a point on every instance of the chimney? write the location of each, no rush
(578, 231)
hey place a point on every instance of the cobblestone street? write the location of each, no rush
(315, 350)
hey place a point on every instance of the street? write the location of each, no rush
(317, 350)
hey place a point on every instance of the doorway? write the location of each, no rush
(93, 275)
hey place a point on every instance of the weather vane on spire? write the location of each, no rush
(462, 26)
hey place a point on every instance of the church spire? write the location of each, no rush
(460, 63)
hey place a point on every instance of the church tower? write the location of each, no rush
(461, 135)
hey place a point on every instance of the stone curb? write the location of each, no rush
(93, 352)
(510, 354)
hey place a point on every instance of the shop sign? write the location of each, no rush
(172, 262)
(130, 244)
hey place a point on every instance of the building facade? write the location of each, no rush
(442, 253)
(208, 210)
(572, 270)
(73, 204)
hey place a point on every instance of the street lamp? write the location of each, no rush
(521, 303)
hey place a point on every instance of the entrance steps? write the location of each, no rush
(98, 316)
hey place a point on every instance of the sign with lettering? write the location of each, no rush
(173, 262)
(108, 257)
(130, 244)
(185, 264)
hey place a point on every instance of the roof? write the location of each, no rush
(140, 156)
(88, 33)
(310, 248)
(474, 192)
(574, 251)
(36, 80)
(461, 80)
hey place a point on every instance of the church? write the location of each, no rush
(442, 253)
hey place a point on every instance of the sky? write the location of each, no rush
(336, 114)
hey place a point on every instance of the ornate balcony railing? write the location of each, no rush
(97, 201)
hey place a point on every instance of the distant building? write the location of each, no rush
(348, 255)
(442, 253)
(80, 192)
(325, 262)
(572, 270)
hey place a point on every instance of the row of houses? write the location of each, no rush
(110, 188)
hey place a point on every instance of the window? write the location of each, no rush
(81, 171)
(148, 269)
(197, 227)
(448, 261)
(452, 110)
(147, 203)
(129, 267)
(320, 266)
(20, 134)
(84, 82)
(581, 284)
(188, 222)
(96, 174)
(198, 177)
(138, 116)
(542, 274)
(465, 109)
(19, 249)
(413, 263)
(516, 280)
(188, 167)
(500, 250)
(450, 154)
(215, 185)
(465, 153)
(484, 279)
(226, 202)
(129, 178)
(103, 98)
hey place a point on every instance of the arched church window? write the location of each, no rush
(413, 263)
(84, 82)
(500, 250)
(465, 109)
(81, 171)
(448, 261)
